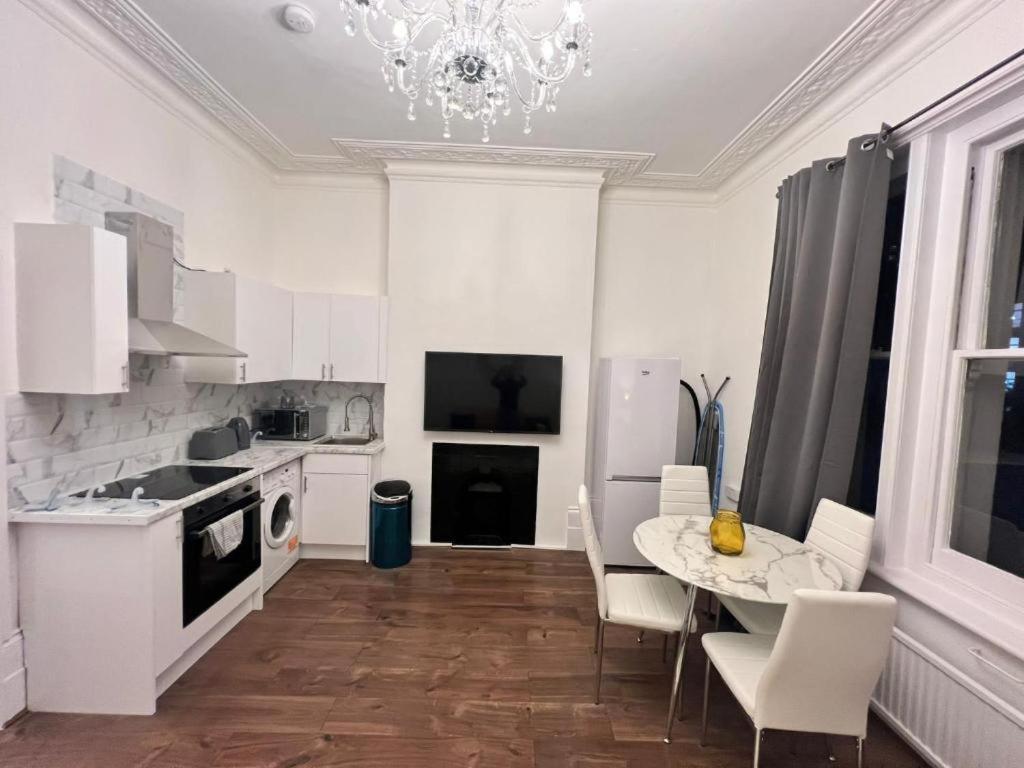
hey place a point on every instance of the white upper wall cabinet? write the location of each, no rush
(311, 336)
(72, 297)
(253, 316)
(355, 338)
(339, 338)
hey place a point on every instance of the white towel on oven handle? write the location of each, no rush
(223, 537)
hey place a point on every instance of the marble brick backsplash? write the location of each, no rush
(73, 441)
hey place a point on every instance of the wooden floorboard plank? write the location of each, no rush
(461, 658)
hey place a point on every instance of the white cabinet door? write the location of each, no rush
(72, 308)
(335, 509)
(264, 330)
(355, 338)
(166, 542)
(311, 336)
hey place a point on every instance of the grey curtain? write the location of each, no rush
(817, 337)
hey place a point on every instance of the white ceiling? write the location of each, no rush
(677, 78)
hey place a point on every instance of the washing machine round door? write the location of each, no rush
(280, 520)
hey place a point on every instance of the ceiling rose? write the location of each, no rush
(475, 58)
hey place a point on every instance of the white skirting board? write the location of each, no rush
(951, 721)
(12, 678)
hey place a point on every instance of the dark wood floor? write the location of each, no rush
(459, 659)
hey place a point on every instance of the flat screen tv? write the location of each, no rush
(469, 392)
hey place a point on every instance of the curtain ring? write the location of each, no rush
(868, 145)
(831, 165)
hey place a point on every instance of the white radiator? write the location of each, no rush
(951, 720)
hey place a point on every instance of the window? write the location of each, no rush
(863, 492)
(950, 501)
(987, 516)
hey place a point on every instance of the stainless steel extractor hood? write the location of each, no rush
(151, 263)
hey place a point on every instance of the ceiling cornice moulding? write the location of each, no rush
(876, 29)
(375, 156)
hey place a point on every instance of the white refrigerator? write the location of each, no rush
(634, 436)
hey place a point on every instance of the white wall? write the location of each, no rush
(935, 58)
(331, 235)
(62, 98)
(654, 257)
(491, 260)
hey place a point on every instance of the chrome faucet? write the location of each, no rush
(369, 424)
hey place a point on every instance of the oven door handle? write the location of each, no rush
(199, 534)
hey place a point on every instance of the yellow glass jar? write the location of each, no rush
(727, 534)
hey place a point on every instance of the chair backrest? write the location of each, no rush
(843, 535)
(825, 663)
(594, 553)
(684, 490)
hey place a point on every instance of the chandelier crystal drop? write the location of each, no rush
(476, 58)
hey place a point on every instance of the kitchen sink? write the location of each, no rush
(346, 441)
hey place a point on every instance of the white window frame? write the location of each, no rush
(944, 254)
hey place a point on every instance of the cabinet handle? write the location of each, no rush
(243, 373)
(181, 530)
(124, 376)
(323, 371)
(305, 483)
(332, 371)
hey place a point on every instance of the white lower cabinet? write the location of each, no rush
(336, 504)
(101, 611)
(334, 508)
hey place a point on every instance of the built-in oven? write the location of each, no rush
(207, 578)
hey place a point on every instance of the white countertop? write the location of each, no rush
(262, 457)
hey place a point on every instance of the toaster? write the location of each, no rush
(212, 443)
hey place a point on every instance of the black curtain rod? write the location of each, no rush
(888, 131)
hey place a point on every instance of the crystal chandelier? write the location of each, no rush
(473, 57)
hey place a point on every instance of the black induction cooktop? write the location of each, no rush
(168, 483)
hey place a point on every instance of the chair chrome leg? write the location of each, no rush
(600, 660)
(704, 711)
(860, 753)
(677, 687)
(758, 738)
(597, 632)
(718, 616)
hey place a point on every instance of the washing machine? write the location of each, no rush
(282, 521)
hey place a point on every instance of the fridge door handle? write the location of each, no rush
(635, 478)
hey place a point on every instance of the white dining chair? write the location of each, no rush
(684, 490)
(817, 675)
(640, 600)
(838, 532)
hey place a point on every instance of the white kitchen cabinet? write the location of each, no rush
(339, 338)
(101, 610)
(72, 309)
(253, 316)
(355, 338)
(168, 591)
(311, 336)
(334, 509)
(336, 504)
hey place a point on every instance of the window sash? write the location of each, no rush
(976, 574)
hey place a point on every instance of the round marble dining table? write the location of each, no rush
(770, 568)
